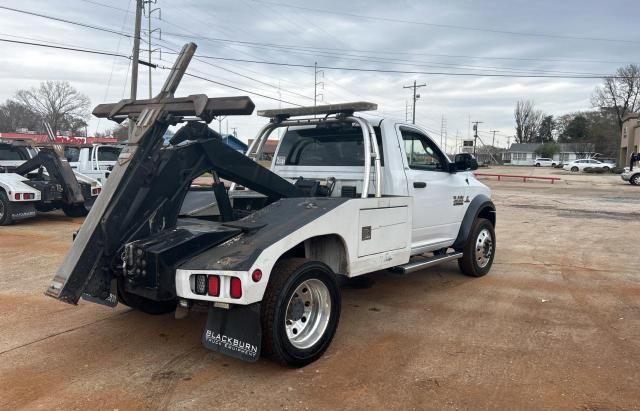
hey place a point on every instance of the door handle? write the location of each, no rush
(419, 184)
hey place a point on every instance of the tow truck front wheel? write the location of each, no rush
(300, 311)
(480, 249)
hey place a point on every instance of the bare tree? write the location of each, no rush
(14, 116)
(528, 121)
(57, 102)
(620, 93)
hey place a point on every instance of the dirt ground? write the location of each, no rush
(554, 325)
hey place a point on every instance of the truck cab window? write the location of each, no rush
(9, 153)
(422, 153)
(108, 153)
(325, 146)
(72, 154)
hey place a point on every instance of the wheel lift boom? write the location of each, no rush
(145, 190)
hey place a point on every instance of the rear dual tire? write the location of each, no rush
(144, 304)
(75, 210)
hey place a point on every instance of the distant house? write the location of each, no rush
(630, 138)
(524, 154)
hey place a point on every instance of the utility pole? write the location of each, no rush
(415, 97)
(219, 119)
(493, 140)
(406, 110)
(475, 135)
(317, 83)
(135, 57)
(443, 132)
(149, 32)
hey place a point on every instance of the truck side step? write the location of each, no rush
(422, 263)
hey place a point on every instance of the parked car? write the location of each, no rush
(612, 162)
(632, 177)
(544, 162)
(580, 165)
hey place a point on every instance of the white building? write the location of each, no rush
(524, 154)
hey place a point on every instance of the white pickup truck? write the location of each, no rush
(95, 161)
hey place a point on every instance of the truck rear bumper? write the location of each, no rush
(186, 286)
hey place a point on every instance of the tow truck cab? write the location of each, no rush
(95, 161)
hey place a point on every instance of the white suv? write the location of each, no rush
(580, 165)
(544, 162)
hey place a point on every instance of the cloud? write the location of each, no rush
(349, 42)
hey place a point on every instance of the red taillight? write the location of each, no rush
(214, 285)
(95, 191)
(256, 275)
(28, 196)
(17, 196)
(236, 287)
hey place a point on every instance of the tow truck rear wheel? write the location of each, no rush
(480, 249)
(300, 311)
(5, 209)
(144, 304)
(75, 210)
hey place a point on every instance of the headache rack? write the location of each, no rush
(326, 114)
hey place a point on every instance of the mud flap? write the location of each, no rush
(235, 332)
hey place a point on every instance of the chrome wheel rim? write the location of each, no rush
(307, 315)
(635, 179)
(484, 248)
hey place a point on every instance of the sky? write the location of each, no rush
(513, 37)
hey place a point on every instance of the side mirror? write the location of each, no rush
(465, 161)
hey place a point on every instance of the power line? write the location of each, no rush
(75, 23)
(236, 88)
(450, 26)
(386, 52)
(385, 60)
(173, 51)
(52, 46)
(441, 73)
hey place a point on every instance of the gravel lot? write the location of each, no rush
(555, 325)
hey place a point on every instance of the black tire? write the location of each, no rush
(553, 165)
(5, 209)
(285, 278)
(635, 179)
(537, 164)
(144, 304)
(75, 210)
(606, 169)
(575, 169)
(469, 263)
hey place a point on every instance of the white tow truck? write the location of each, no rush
(345, 196)
(95, 161)
(37, 179)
